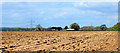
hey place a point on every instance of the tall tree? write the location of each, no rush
(103, 27)
(66, 27)
(75, 26)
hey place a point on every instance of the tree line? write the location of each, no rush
(74, 26)
(87, 28)
(102, 27)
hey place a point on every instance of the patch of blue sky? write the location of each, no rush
(59, 13)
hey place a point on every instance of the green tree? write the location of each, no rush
(66, 27)
(115, 27)
(103, 27)
(75, 26)
(110, 29)
(87, 28)
(97, 28)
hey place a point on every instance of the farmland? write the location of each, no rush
(60, 41)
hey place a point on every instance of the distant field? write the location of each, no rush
(60, 41)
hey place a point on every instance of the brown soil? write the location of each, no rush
(60, 41)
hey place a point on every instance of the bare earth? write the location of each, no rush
(60, 41)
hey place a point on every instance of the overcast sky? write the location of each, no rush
(48, 14)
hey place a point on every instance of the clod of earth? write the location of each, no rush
(60, 41)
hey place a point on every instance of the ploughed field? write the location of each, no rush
(60, 41)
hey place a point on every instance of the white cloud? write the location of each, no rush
(60, 0)
(42, 12)
(101, 0)
(97, 12)
(80, 4)
(57, 15)
(61, 14)
(15, 15)
(94, 4)
(113, 17)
